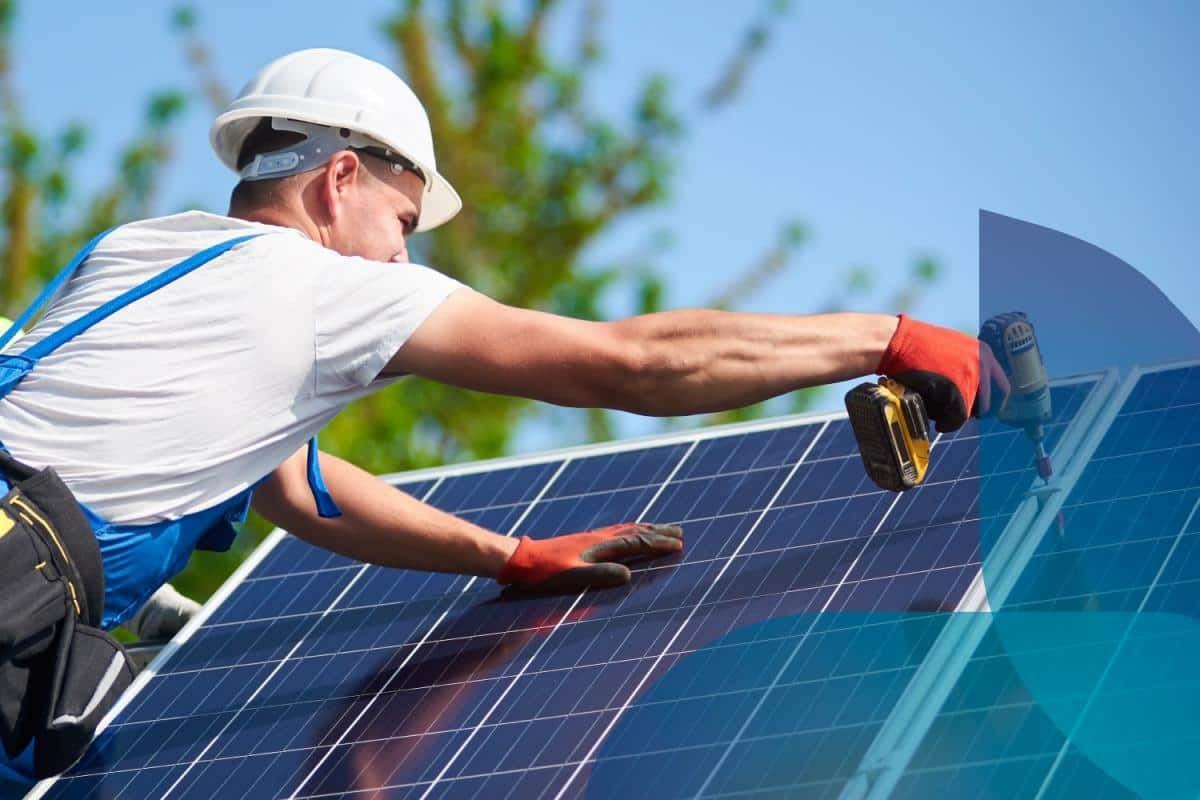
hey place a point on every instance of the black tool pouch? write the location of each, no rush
(59, 673)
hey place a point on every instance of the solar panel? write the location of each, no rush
(1084, 683)
(802, 606)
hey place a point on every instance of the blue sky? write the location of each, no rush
(884, 126)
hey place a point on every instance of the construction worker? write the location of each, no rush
(185, 364)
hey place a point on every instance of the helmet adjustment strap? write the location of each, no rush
(318, 146)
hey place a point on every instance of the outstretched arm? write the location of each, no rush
(693, 361)
(383, 525)
(379, 523)
(664, 364)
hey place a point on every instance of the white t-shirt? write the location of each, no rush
(193, 393)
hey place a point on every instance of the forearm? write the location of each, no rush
(379, 524)
(696, 361)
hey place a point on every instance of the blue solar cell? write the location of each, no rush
(292, 556)
(1162, 389)
(500, 487)
(223, 646)
(1130, 508)
(326, 676)
(283, 595)
(179, 694)
(606, 473)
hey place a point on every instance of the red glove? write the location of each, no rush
(577, 561)
(944, 367)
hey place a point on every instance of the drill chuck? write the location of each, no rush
(1041, 459)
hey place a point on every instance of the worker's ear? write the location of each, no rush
(339, 177)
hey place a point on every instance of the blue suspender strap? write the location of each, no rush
(73, 329)
(316, 483)
(52, 287)
(13, 368)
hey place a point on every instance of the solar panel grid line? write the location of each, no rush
(1013, 554)
(279, 666)
(483, 721)
(878, 554)
(686, 606)
(774, 683)
(474, 731)
(836, 584)
(1098, 435)
(705, 695)
(424, 639)
(899, 738)
(590, 755)
(977, 596)
(679, 463)
(752, 597)
(169, 650)
(1116, 652)
(1135, 376)
(577, 452)
(163, 661)
(654, 567)
(955, 639)
(677, 652)
(235, 583)
(574, 713)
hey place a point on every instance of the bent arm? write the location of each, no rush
(664, 364)
(379, 523)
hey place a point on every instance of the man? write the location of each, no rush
(167, 417)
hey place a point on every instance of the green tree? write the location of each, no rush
(545, 174)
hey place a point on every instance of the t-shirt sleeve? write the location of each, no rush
(364, 311)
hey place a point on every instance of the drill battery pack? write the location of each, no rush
(892, 430)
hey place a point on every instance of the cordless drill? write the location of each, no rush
(1015, 346)
(892, 427)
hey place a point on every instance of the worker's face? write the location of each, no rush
(373, 210)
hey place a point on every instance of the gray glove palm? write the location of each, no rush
(163, 615)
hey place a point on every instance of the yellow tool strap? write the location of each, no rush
(26, 511)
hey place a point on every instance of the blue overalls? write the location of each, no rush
(140, 558)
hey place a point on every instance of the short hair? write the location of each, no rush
(261, 140)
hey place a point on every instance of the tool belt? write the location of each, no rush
(59, 673)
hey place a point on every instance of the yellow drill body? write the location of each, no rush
(892, 430)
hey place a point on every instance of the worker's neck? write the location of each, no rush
(282, 217)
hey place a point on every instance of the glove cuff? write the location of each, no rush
(894, 359)
(521, 566)
(915, 344)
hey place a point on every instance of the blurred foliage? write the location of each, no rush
(545, 175)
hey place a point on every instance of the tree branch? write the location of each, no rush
(456, 25)
(199, 58)
(411, 36)
(732, 78)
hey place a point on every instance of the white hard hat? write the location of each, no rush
(338, 90)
